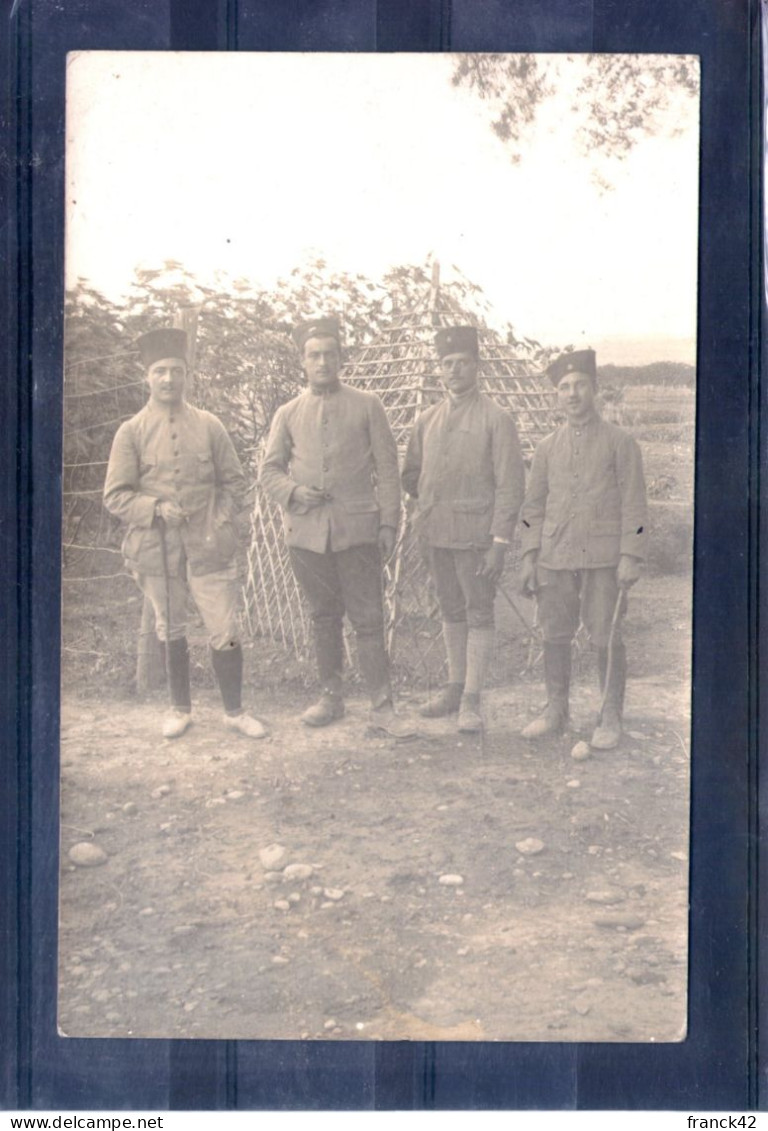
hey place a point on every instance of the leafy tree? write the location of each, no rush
(615, 102)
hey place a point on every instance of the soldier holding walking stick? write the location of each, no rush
(583, 527)
(175, 478)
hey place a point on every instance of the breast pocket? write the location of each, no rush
(204, 468)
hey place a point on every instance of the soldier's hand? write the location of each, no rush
(628, 571)
(386, 542)
(308, 496)
(492, 562)
(528, 579)
(171, 513)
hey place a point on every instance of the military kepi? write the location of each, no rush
(577, 361)
(317, 328)
(159, 344)
(456, 339)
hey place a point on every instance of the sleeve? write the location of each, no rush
(509, 476)
(384, 451)
(634, 506)
(122, 496)
(413, 457)
(535, 502)
(230, 478)
(274, 477)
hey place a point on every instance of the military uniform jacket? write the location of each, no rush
(463, 465)
(585, 504)
(340, 442)
(184, 456)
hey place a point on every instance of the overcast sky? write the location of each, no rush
(246, 164)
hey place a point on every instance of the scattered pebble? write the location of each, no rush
(583, 1010)
(183, 929)
(581, 751)
(294, 897)
(329, 1024)
(679, 856)
(637, 735)
(606, 896)
(272, 856)
(161, 791)
(359, 1025)
(333, 893)
(451, 880)
(530, 846)
(87, 855)
(463, 950)
(281, 905)
(212, 802)
(130, 808)
(280, 960)
(234, 795)
(273, 877)
(298, 872)
(574, 783)
(147, 911)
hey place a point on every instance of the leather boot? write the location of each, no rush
(608, 730)
(557, 677)
(443, 702)
(328, 708)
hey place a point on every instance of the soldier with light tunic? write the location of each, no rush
(464, 467)
(583, 526)
(175, 479)
(331, 464)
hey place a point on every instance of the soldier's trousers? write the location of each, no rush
(346, 581)
(215, 594)
(567, 597)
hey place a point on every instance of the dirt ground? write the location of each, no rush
(190, 929)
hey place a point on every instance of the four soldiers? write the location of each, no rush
(331, 464)
(174, 477)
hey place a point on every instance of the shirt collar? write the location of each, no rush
(329, 392)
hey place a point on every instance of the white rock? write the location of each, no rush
(280, 960)
(272, 856)
(451, 880)
(235, 795)
(581, 752)
(87, 855)
(333, 893)
(281, 905)
(574, 783)
(297, 872)
(161, 791)
(294, 897)
(606, 896)
(530, 846)
(130, 808)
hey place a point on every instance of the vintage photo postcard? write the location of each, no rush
(379, 406)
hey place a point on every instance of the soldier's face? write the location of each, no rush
(458, 372)
(167, 379)
(321, 362)
(576, 395)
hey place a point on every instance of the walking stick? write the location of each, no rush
(611, 638)
(167, 595)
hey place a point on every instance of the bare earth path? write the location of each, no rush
(185, 931)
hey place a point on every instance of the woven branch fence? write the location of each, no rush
(401, 367)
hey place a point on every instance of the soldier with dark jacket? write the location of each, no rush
(583, 540)
(464, 467)
(175, 479)
(331, 464)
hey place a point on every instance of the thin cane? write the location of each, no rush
(167, 594)
(609, 662)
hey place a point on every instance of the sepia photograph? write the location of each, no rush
(379, 403)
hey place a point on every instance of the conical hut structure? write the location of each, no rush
(401, 367)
